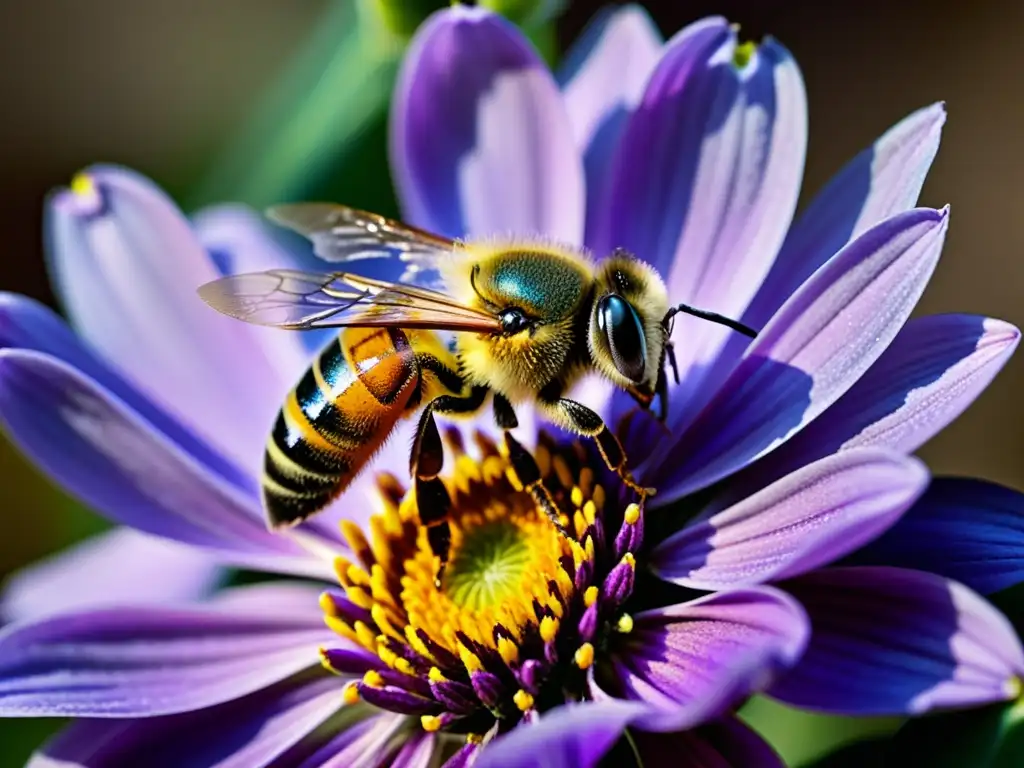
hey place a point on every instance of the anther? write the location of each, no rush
(584, 656)
(469, 659)
(590, 596)
(576, 496)
(373, 679)
(632, 513)
(523, 700)
(436, 676)
(549, 629)
(430, 723)
(509, 650)
(624, 624)
(350, 694)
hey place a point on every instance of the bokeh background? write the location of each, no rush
(212, 100)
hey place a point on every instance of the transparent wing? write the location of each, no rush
(294, 300)
(342, 234)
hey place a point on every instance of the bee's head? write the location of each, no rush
(627, 333)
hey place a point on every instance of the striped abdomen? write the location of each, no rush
(335, 419)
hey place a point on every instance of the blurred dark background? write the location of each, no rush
(164, 85)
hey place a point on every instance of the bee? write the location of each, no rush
(528, 319)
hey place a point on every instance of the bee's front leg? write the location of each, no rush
(524, 465)
(578, 418)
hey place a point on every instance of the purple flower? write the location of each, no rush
(791, 450)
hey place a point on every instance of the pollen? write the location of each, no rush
(493, 632)
(624, 624)
(632, 514)
(523, 700)
(743, 54)
(83, 185)
(584, 656)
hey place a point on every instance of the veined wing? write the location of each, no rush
(341, 234)
(285, 298)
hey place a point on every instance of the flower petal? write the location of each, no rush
(883, 180)
(360, 744)
(571, 736)
(807, 519)
(965, 529)
(726, 743)
(481, 143)
(894, 641)
(108, 456)
(934, 368)
(27, 324)
(127, 266)
(603, 77)
(121, 566)
(250, 732)
(814, 349)
(706, 179)
(687, 653)
(140, 661)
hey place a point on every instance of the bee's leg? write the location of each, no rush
(579, 418)
(524, 465)
(426, 461)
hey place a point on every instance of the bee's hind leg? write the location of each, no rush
(524, 465)
(426, 461)
(580, 419)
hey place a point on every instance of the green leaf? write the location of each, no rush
(870, 753)
(989, 737)
(309, 124)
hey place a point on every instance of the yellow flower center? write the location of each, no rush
(505, 561)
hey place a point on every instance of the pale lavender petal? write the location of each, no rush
(883, 180)
(27, 324)
(109, 457)
(481, 143)
(603, 77)
(726, 743)
(140, 661)
(684, 654)
(815, 348)
(889, 641)
(706, 179)
(250, 732)
(127, 266)
(809, 518)
(965, 529)
(934, 368)
(121, 566)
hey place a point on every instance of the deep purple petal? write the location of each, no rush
(807, 519)
(726, 743)
(893, 641)
(27, 324)
(684, 654)
(934, 368)
(571, 736)
(127, 265)
(603, 76)
(814, 349)
(481, 143)
(250, 732)
(105, 454)
(965, 529)
(706, 179)
(883, 180)
(140, 661)
(360, 744)
(121, 566)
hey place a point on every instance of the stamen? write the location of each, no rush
(584, 656)
(523, 700)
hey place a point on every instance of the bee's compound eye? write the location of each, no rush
(513, 321)
(622, 329)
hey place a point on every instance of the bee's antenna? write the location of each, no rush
(714, 317)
